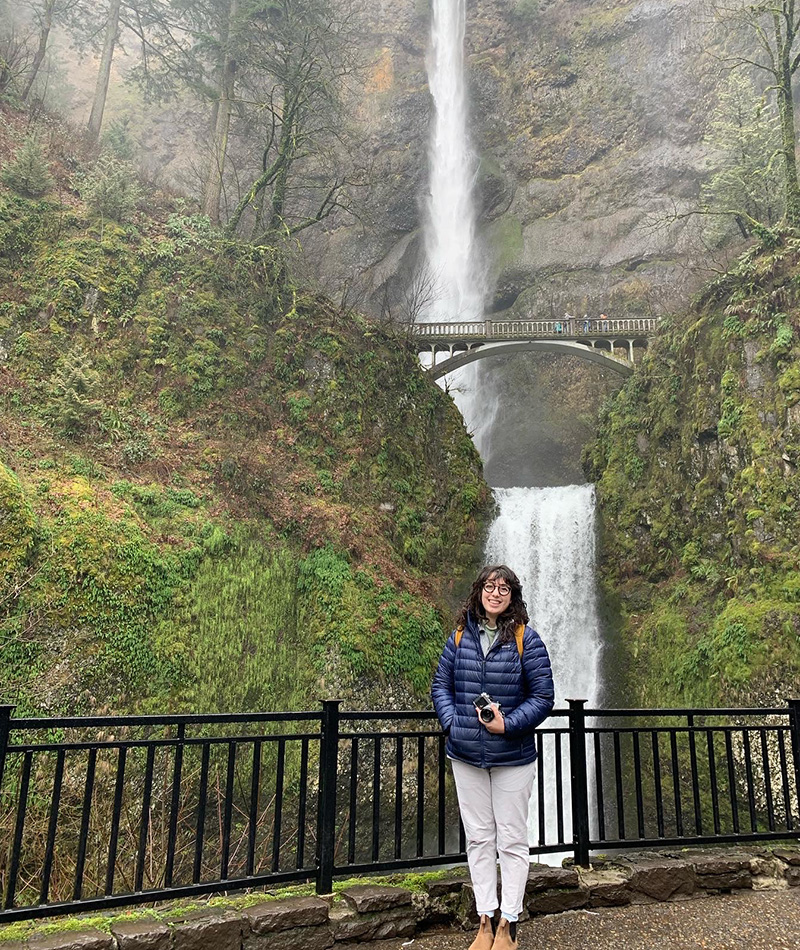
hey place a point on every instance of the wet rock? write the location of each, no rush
(348, 924)
(142, 935)
(90, 939)
(555, 901)
(662, 881)
(712, 864)
(281, 915)
(543, 878)
(608, 887)
(787, 856)
(199, 931)
(369, 898)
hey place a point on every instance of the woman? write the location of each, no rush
(493, 651)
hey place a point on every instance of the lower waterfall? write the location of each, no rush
(547, 536)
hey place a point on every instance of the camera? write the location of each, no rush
(483, 704)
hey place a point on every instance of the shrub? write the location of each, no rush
(28, 173)
(119, 141)
(71, 406)
(111, 188)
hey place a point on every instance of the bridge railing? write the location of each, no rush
(572, 327)
(110, 811)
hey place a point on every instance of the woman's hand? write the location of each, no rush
(497, 725)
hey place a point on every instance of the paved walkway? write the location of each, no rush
(761, 920)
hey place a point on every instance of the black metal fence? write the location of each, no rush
(108, 811)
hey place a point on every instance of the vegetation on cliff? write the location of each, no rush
(696, 462)
(216, 491)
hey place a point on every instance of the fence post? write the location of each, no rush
(794, 725)
(5, 729)
(580, 785)
(326, 811)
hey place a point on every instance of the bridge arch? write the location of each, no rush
(597, 341)
(601, 356)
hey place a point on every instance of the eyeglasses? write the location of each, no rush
(502, 589)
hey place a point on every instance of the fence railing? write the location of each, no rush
(108, 811)
(570, 327)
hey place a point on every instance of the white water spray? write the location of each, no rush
(547, 535)
(450, 236)
(453, 266)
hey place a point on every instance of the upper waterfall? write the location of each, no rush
(450, 232)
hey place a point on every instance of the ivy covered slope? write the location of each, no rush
(697, 466)
(216, 493)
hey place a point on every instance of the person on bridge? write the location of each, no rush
(492, 688)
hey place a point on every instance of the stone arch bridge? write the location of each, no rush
(610, 343)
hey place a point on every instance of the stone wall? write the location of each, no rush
(374, 912)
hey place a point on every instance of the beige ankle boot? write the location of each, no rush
(485, 936)
(503, 938)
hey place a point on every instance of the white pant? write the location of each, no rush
(494, 809)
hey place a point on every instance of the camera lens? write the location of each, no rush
(487, 714)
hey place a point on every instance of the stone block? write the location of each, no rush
(555, 901)
(715, 865)
(610, 895)
(543, 878)
(201, 930)
(274, 916)
(142, 935)
(89, 939)
(348, 925)
(767, 873)
(318, 937)
(607, 887)
(787, 856)
(669, 880)
(465, 911)
(443, 887)
(793, 877)
(441, 909)
(732, 880)
(370, 898)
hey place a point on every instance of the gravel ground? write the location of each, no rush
(760, 920)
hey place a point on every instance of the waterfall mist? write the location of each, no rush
(547, 535)
(450, 235)
(452, 261)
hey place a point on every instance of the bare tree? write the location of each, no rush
(772, 27)
(110, 36)
(15, 50)
(300, 56)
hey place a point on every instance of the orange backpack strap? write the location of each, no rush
(519, 633)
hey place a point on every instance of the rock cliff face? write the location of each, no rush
(696, 464)
(589, 121)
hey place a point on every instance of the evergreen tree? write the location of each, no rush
(28, 172)
(110, 188)
(71, 405)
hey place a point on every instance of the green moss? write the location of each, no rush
(17, 526)
(207, 431)
(504, 237)
(697, 479)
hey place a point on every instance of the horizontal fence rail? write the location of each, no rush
(108, 811)
(569, 327)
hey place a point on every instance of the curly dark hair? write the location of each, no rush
(516, 612)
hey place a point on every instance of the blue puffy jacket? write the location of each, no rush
(522, 685)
